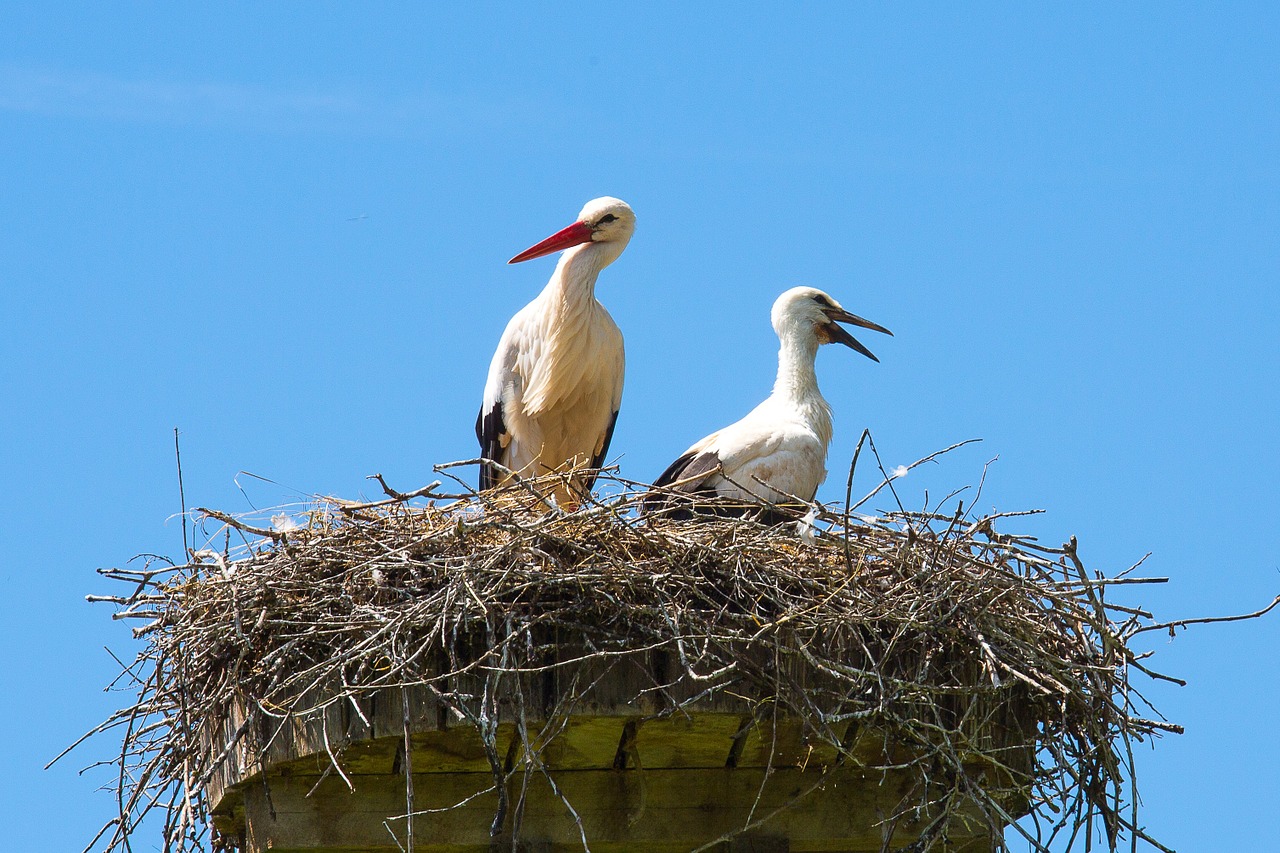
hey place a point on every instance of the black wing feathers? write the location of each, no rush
(489, 431)
(690, 465)
(689, 474)
(598, 461)
(668, 476)
(693, 467)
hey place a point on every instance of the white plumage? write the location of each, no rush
(777, 452)
(555, 383)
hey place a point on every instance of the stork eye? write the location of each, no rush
(823, 301)
(607, 218)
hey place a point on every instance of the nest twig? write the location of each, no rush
(924, 625)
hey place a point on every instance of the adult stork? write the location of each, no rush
(778, 452)
(555, 383)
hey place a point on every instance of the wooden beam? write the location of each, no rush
(643, 811)
(757, 844)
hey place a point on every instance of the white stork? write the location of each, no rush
(555, 383)
(779, 450)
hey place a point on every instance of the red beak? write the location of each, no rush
(574, 235)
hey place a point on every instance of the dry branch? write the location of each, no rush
(921, 625)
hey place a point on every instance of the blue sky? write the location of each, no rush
(284, 232)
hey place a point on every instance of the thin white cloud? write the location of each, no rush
(237, 106)
(94, 95)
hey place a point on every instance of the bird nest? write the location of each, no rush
(932, 629)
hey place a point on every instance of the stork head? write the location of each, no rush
(602, 220)
(808, 311)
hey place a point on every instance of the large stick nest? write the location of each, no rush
(927, 626)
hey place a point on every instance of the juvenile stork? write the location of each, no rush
(778, 452)
(555, 383)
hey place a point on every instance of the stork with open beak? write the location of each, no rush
(555, 383)
(779, 450)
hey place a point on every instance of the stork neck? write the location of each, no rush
(797, 385)
(575, 277)
(797, 378)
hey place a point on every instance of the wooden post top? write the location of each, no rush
(643, 764)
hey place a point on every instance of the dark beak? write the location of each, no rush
(839, 335)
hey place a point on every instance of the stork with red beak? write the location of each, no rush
(555, 383)
(778, 452)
